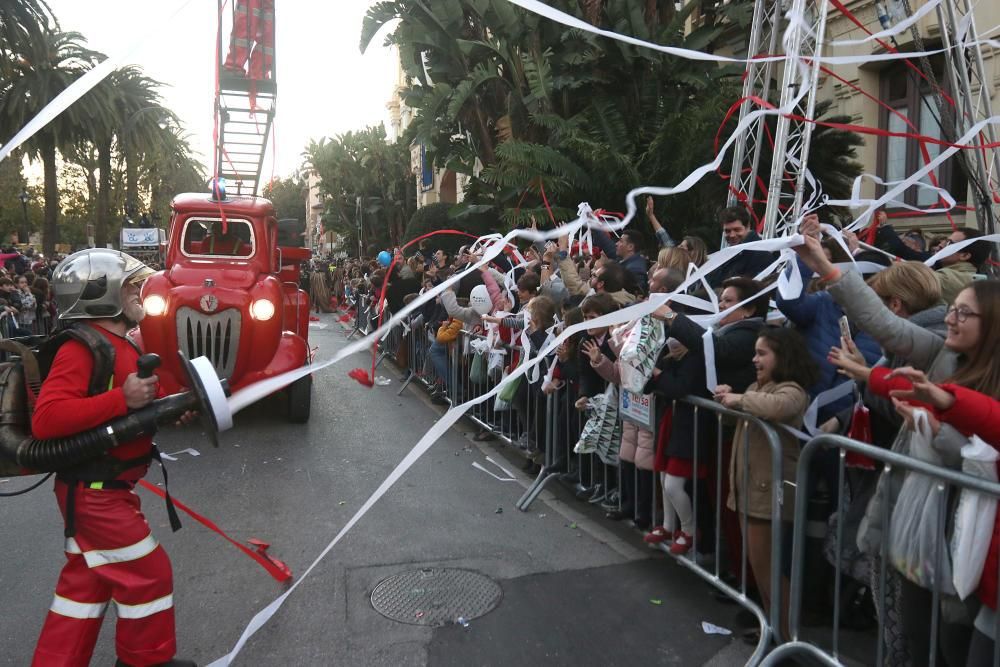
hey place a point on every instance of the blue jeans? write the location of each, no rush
(438, 352)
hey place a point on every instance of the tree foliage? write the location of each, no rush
(38, 62)
(367, 185)
(288, 196)
(532, 110)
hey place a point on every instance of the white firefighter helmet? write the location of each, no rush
(88, 284)
(479, 300)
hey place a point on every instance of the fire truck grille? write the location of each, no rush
(216, 336)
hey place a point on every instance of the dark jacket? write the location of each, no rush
(817, 317)
(887, 239)
(734, 348)
(748, 263)
(679, 378)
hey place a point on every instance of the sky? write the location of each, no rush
(325, 85)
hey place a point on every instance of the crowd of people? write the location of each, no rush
(912, 338)
(27, 307)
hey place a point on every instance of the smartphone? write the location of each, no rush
(845, 328)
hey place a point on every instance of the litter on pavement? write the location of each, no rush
(711, 629)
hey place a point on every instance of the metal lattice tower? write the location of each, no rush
(967, 77)
(756, 83)
(791, 140)
(786, 180)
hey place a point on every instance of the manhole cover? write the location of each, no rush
(436, 596)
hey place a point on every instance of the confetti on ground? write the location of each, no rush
(711, 629)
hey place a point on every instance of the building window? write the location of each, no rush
(909, 96)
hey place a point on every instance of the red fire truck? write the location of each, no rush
(230, 291)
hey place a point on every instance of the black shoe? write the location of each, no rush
(176, 662)
(440, 399)
(642, 524)
(585, 492)
(616, 515)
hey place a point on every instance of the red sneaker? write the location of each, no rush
(657, 535)
(682, 543)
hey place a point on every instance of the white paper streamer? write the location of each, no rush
(571, 21)
(631, 312)
(81, 86)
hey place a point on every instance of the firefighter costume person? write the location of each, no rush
(252, 38)
(111, 555)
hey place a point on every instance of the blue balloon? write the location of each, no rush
(384, 258)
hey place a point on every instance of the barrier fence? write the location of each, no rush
(547, 425)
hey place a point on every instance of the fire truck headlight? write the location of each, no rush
(154, 305)
(262, 309)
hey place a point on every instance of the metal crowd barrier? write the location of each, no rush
(708, 568)
(947, 480)
(552, 423)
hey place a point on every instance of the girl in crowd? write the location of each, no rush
(733, 345)
(528, 400)
(28, 312)
(783, 370)
(963, 357)
(590, 382)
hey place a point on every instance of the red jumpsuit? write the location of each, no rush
(113, 558)
(253, 26)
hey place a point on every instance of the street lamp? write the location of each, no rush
(25, 232)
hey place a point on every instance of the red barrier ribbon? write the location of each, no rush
(278, 570)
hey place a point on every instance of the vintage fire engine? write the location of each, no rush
(230, 291)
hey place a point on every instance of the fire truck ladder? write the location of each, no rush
(244, 110)
(786, 182)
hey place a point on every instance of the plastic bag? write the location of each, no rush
(508, 391)
(501, 404)
(640, 350)
(970, 540)
(916, 530)
(495, 366)
(602, 434)
(477, 372)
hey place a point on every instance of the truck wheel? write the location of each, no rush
(299, 397)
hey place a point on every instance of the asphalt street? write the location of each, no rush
(577, 589)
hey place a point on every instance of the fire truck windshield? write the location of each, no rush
(212, 238)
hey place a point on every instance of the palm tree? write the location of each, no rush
(41, 70)
(169, 166)
(117, 103)
(21, 23)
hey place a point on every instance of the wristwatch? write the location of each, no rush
(545, 267)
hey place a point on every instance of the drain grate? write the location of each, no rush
(436, 596)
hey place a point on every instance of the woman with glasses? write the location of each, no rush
(965, 356)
